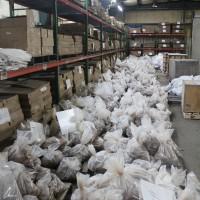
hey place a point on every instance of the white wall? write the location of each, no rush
(146, 16)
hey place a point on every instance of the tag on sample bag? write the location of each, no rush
(4, 116)
(68, 84)
(155, 192)
(80, 70)
(66, 121)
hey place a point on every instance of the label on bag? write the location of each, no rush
(99, 66)
(90, 70)
(3, 75)
(4, 116)
(68, 84)
(155, 192)
(43, 89)
(80, 70)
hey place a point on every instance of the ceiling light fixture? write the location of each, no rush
(154, 5)
(113, 1)
(120, 8)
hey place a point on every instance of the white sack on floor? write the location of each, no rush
(157, 61)
(176, 85)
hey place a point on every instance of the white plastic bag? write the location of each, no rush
(88, 132)
(101, 111)
(8, 186)
(192, 190)
(68, 168)
(32, 133)
(126, 177)
(113, 141)
(136, 150)
(97, 160)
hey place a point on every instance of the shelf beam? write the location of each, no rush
(53, 65)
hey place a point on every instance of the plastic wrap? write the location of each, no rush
(88, 132)
(83, 190)
(32, 133)
(104, 90)
(152, 144)
(168, 151)
(58, 189)
(43, 180)
(68, 168)
(192, 190)
(37, 151)
(106, 194)
(136, 150)
(113, 141)
(101, 111)
(126, 177)
(22, 154)
(51, 159)
(26, 185)
(30, 197)
(74, 138)
(8, 187)
(97, 160)
(3, 156)
(80, 151)
(98, 143)
(53, 143)
(16, 168)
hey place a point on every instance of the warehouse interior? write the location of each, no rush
(99, 99)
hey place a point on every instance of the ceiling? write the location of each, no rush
(160, 4)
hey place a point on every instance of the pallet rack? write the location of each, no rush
(154, 35)
(69, 10)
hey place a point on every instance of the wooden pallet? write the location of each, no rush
(174, 99)
(194, 115)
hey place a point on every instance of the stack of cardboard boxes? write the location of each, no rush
(10, 115)
(66, 44)
(34, 96)
(21, 33)
(78, 44)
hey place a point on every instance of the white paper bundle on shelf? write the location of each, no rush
(13, 59)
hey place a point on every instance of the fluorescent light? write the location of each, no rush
(154, 5)
(113, 1)
(120, 8)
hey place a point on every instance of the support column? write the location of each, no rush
(12, 8)
(101, 45)
(55, 48)
(86, 44)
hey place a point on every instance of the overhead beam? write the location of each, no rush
(171, 5)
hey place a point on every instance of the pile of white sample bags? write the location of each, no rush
(115, 144)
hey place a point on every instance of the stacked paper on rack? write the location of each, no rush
(13, 59)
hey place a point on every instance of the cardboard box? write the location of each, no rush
(10, 115)
(34, 95)
(21, 33)
(180, 67)
(191, 96)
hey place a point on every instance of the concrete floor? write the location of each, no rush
(187, 134)
(187, 137)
